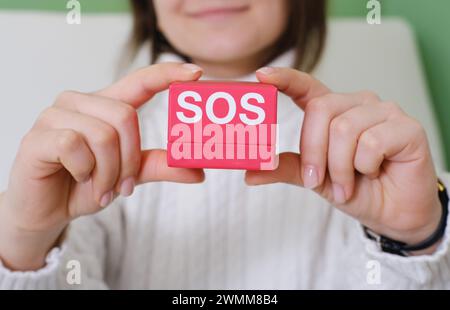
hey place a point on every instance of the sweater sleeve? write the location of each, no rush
(390, 271)
(80, 263)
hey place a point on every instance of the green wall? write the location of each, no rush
(430, 19)
(58, 5)
(431, 22)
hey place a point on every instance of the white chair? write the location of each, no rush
(41, 55)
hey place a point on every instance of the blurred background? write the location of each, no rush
(428, 21)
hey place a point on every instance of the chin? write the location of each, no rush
(224, 53)
(221, 56)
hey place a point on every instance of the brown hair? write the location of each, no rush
(306, 32)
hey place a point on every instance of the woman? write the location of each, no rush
(365, 171)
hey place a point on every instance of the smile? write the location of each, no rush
(213, 13)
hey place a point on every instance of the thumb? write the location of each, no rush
(300, 86)
(140, 86)
(289, 172)
(154, 168)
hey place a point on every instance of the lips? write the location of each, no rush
(218, 12)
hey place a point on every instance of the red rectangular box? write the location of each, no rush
(223, 125)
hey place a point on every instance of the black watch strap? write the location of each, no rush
(400, 248)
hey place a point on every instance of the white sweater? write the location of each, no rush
(223, 234)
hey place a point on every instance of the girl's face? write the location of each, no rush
(221, 31)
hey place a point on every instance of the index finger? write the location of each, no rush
(139, 87)
(300, 86)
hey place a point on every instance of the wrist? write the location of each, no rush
(22, 249)
(419, 233)
(427, 245)
(439, 233)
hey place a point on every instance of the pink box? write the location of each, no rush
(222, 125)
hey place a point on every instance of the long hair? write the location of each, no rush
(305, 32)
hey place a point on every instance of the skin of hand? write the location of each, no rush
(81, 153)
(365, 156)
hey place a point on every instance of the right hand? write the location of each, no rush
(79, 156)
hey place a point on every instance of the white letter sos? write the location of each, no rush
(197, 111)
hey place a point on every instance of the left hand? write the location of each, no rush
(365, 156)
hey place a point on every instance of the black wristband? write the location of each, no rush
(400, 248)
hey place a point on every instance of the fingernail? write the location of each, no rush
(338, 193)
(266, 70)
(106, 199)
(127, 187)
(193, 68)
(310, 177)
